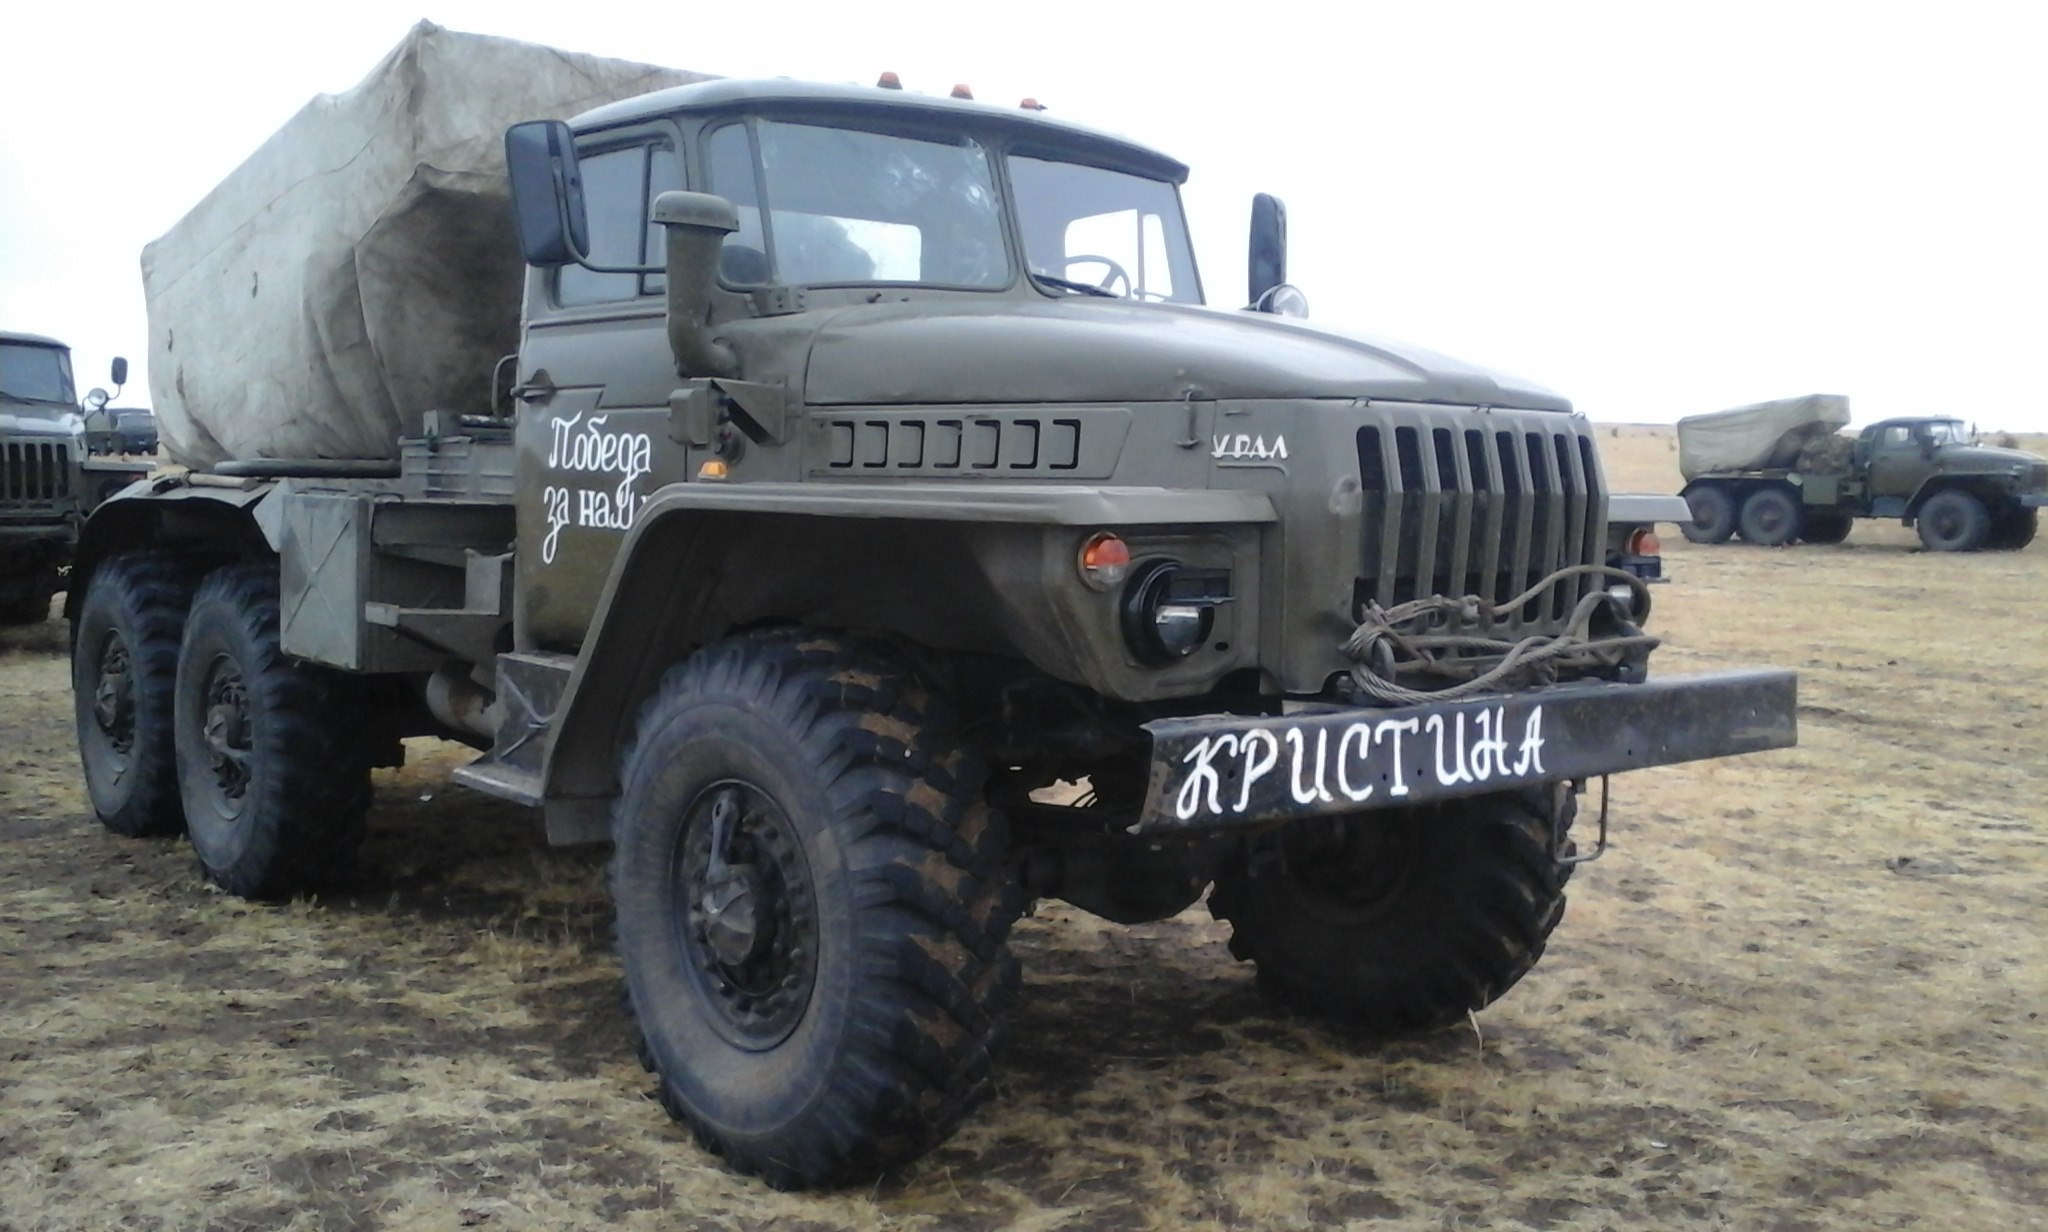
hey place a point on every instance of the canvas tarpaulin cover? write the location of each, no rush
(1767, 434)
(361, 267)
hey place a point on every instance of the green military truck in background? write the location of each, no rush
(868, 530)
(49, 476)
(1782, 471)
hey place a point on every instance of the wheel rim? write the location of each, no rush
(224, 731)
(113, 702)
(1770, 518)
(1948, 523)
(749, 917)
(1347, 872)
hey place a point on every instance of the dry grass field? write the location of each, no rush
(1804, 990)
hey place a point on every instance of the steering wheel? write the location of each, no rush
(1110, 277)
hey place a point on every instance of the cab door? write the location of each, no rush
(595, 374)
(1898, 462)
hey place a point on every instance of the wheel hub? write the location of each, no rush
(749, 926)
(225, 729)
(113, 699)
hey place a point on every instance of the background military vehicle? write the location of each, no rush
(47, 481)
(868, 531)
(1779, 471)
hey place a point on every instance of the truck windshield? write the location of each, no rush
(1089, 228)
(1946, 432)
(844, 205)
(36, 374)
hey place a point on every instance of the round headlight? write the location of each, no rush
(1158, 628)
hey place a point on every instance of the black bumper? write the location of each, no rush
(1223, 771)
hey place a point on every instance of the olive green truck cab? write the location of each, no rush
(1779, 472)
(48, 480)
(876, 532)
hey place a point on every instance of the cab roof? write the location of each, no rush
(8, 335)
(764, 96)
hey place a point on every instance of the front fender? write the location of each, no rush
(979, 568)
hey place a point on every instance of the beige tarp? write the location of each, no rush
(361, 267)
(1768, 434)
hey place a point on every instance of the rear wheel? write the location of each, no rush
(2013, 529)
(812, 908)
(124, 670)
(274, 778)
(1770, 517)
(1399, 922)
(1824, 526)
(1713, 515)
(1954, 521)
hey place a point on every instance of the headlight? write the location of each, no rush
(1169, 610)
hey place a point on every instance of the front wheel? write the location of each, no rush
(1954, 521)
(1400, 921)
(812, 908)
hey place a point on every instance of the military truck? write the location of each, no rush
(871, 533)
(47, 479)
(1780, 471)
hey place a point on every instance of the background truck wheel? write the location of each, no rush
(812, 908)
(274, 781)
(2013, 528)
(26, 600)
(124, 671)
(1713, 516)
(1399, 922)
(1954, 521)
(1824, 526)
(1770, 517)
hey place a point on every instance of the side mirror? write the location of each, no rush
(96, 401)
(120, 373)
(1268, 264)
(547, 193)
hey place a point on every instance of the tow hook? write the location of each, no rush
(1561, 844)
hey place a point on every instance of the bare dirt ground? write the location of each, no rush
(1803, 991)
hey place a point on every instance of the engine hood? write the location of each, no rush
(1101, 350)
(1963, 458)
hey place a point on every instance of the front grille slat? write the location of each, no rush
(33, 474)
(1458, 502)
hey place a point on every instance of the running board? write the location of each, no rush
(495, 778)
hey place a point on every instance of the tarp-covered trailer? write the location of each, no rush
(371, 241)
(1763, 436)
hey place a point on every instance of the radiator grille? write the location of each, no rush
(33, 474)
(1463, 504)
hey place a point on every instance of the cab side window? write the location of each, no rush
(619, 185)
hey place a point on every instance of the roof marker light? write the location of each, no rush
(961, 91)
(1032, 104)
(890, 81)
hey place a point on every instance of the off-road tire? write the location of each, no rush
(1769, 518)
(870, 847)
(1713, 515)
(1824, 526)
(1413, 920)
(124, 672)
(1954, 521)
(272, 769)
(2013, 528)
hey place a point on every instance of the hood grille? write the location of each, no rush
(34, 473)
(1458, 503)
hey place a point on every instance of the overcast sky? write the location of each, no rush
(1654, 209)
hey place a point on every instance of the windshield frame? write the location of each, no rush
(1176, 222)
(998, 144)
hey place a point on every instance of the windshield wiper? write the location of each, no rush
(1068, 284)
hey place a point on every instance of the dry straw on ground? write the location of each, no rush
(1805, 990)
